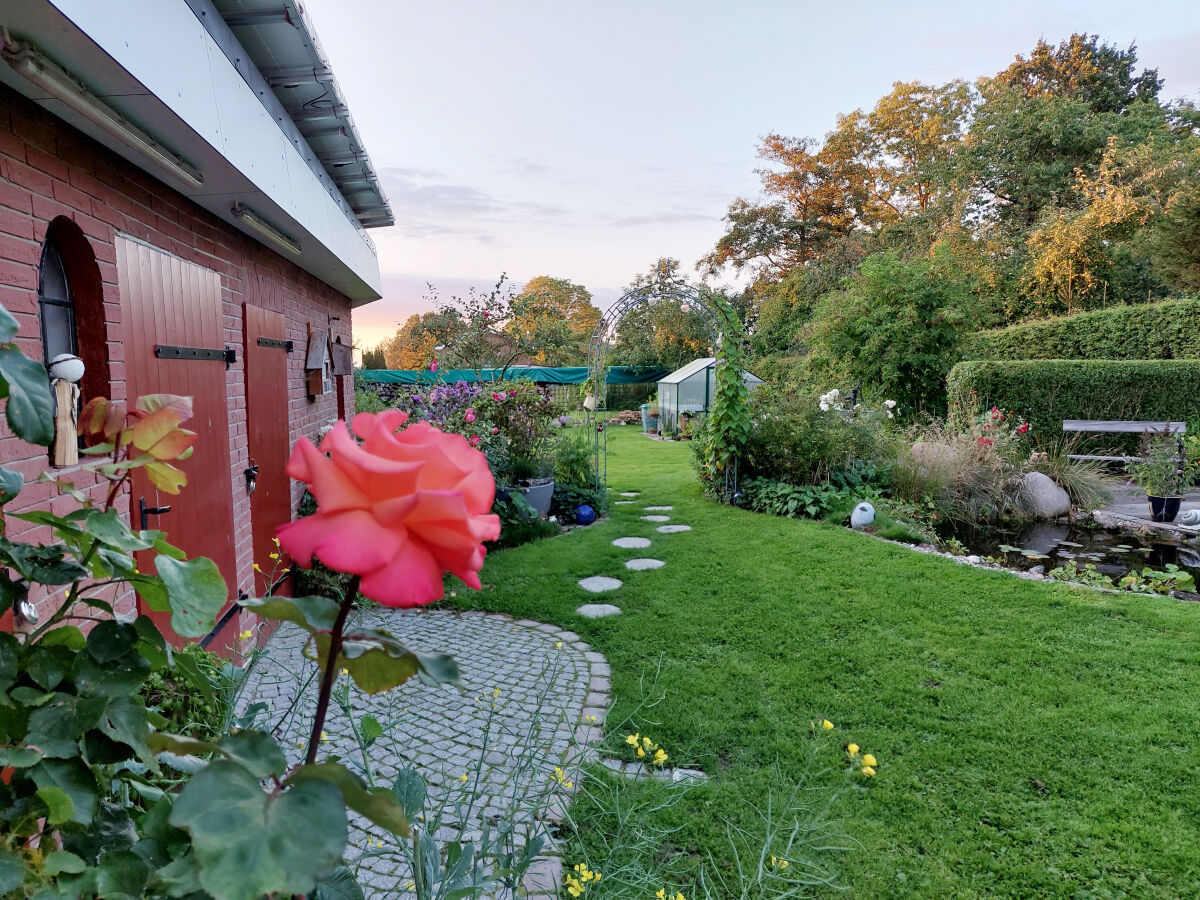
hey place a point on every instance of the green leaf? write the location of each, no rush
(410, 789)
(180, 877)
(30, 409)
(12, 871)
(110, 529)
(109, 641)
(10, 655)
(59, 806)
(55, 728)
(64, 636)
(10, 484)
(339, 885)
(8, 326)
(121, 875)
(248, 844)
(256, 752)
(125, 721)
(99, 673)
(370, 728)
(19, 757)
(377, 661)
(59, 862)
(310, 613)
(75, 780)
(379, 806)
(195, 591)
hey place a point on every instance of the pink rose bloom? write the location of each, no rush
(469, 416)
(495, 429)
(474, 440)
(433, 365)
(399, 509)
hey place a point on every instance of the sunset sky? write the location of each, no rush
(584, 141)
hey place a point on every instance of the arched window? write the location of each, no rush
(55, 305)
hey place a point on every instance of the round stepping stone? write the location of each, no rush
(632, 543)
(630, 493)
(597, 584)
(657, 518)
(672, 529)
(659, 508)
(641, 564)
(598, 610)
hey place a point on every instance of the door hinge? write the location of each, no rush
(168, 351)
(286, 346)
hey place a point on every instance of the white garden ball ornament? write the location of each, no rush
(863, 515)
(67, 367)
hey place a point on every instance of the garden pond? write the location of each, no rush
(1113, 552)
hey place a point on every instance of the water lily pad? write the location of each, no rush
(1033, 554)
(1009, 548)
(1069, 544)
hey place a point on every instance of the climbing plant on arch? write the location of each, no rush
(728, 422)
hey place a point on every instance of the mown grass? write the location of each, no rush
(1033, 739)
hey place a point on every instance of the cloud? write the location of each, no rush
(665, 217)
(427, 203)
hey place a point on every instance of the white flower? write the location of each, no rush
(835, 393)
(890, 404)
(824, 406)
(890, 416)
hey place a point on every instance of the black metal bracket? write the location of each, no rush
(168, 351)
(145, 512)
(286, 346)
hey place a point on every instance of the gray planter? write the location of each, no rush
(539, 495)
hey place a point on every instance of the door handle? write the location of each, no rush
(145, 512)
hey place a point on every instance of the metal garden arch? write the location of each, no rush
(604, 335)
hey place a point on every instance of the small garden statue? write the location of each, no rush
(66, 370)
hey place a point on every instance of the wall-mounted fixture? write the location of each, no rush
(263, 228)
(30, 63)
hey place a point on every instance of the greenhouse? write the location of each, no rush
(690, 389)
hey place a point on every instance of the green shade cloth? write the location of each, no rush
(539, 374)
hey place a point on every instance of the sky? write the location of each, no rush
(586, 140)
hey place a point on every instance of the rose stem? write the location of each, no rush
(331, 667)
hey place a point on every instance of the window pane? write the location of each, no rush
(58, 329)
(54, 278)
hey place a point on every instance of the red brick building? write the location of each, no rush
(183, 199)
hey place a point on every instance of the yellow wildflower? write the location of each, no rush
(827, 725)
(647, 742)
(275, 541)
(633, 739)
(324, 736)
(661, 894)
(495, 693)
(660, 756)
(273, 556)
(463, 777)
(640, 752)
(852, 749)
(591, 720)
(246, 635)
(869, 760)
(868, 771)
(257, 569)
(679, 896)
(558, 646)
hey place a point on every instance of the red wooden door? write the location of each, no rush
(166, 304)
(267, 433)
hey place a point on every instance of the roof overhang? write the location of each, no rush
(157, 67)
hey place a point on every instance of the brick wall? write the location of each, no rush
(48, 169)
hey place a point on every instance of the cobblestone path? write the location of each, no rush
(535, 695)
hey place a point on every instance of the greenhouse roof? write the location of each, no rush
(695, 367)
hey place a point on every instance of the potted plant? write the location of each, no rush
(534, 477)
(652, 413)
(1165, 473)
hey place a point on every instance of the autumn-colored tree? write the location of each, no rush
(554, 319)
(412, 346)
(666, 330)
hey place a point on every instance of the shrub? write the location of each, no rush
(1165, 330)
(1046, 392)
(792, 439)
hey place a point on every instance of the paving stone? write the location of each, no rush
(688, 775)
(543, 692)
(623, 502)
(657, 518)
(630, 493)
(598, 584)
(544, 876)
(641, 564)
(598, 610)
(632, 543)
(672, 529)
(658, 508)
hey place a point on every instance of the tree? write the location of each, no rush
(897, 327)
(554, 319)
(664, 331)
(374, 358)
(413, 345)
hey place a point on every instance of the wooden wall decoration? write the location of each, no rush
(316, 361)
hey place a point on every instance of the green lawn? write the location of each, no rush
(1033, 740)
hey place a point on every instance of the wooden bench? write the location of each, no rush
(1094, 426)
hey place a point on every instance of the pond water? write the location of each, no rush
(1113, 552)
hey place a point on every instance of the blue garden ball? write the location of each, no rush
(584, 514)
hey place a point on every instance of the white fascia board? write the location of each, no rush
(168, 50)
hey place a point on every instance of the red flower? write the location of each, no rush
(399, 509)
(1022, 428)
(985, 442)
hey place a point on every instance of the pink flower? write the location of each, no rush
(399, 509)
(495, 429)
(985, 442)
(1022, 428)
(474, 440)
(433, 365)
(469, 415)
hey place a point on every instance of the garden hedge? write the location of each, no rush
(1047, 391)
(1166, 330)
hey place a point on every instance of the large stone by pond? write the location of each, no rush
(1046, 498)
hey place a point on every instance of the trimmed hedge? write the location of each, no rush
(1166, 330)
(1047, 391)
